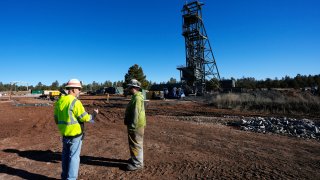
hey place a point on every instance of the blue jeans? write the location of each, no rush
(71, 157)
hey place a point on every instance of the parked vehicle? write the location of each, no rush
(50, 94)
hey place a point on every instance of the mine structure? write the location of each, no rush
(200, 61)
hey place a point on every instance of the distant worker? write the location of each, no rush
(70, 115)
(174, 92)
(166, 93)
(135, 119)
(180, 93)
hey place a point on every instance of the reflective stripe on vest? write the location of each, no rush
(82, 115)
(73, 121)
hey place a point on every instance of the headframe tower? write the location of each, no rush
(200, 61)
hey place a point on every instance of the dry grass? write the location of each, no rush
(277, 102)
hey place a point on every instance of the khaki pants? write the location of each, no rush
(135, 138)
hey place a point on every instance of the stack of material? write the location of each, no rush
(303, 128)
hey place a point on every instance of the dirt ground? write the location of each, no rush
(183, 140)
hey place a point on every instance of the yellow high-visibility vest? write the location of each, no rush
(68, 114)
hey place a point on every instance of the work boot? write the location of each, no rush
(133, 167)
(130, 161)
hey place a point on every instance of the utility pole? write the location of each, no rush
(14, 83)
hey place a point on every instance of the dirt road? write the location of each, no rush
(183, 140)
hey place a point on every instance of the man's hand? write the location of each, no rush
(94, 114)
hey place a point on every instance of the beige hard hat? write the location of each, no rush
(73, 83)
(134, 83)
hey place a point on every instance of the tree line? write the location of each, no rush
(299, 81)
(56, 86)
(135, 71)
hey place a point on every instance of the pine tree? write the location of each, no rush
(55, 85)
(136, 72)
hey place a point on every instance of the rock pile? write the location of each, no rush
(303, 128)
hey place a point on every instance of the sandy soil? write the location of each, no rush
(183, 140)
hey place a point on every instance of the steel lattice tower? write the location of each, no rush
(200, 61)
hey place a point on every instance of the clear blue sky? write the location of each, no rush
(98, 40)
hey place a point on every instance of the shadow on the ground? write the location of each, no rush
(55, 157)
(37, 155)
(101, 161)
(22, 173)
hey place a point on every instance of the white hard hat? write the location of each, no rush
(73, 83)
(134, 83)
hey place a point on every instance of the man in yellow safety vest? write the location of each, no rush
(70, 115)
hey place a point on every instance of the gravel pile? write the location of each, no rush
(303, 128)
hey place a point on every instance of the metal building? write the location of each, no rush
(200, 61)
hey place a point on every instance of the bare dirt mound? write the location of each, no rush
(183, 140)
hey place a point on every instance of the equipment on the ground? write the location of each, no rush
(50, 94)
